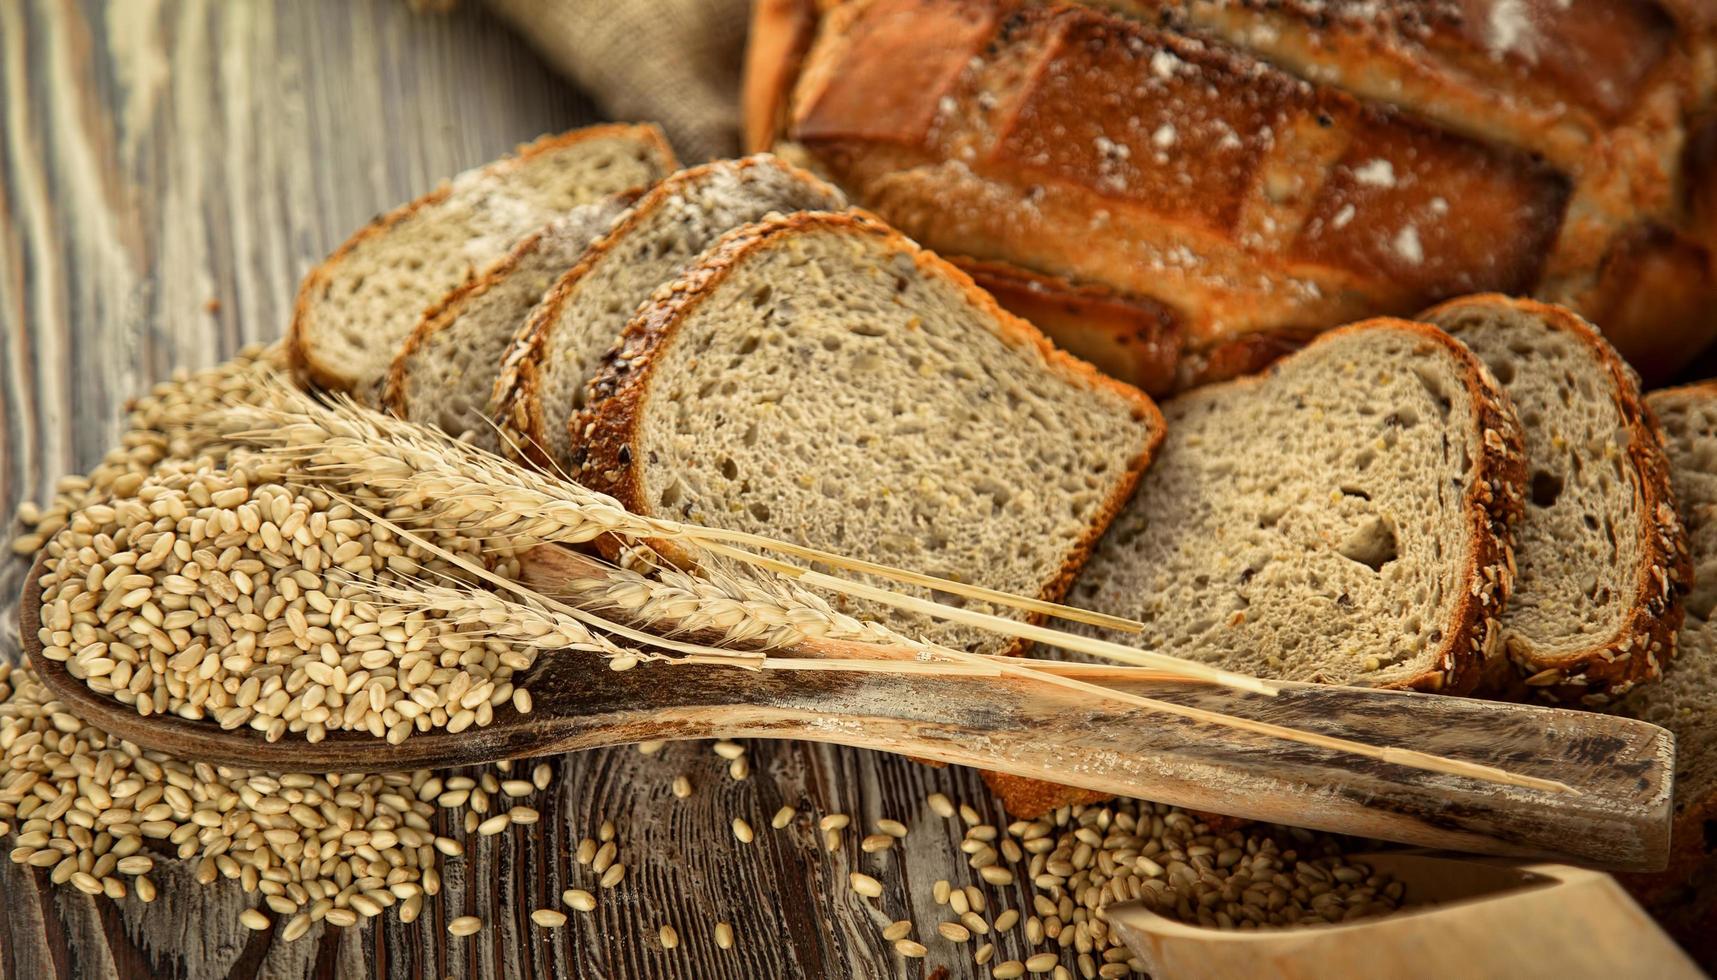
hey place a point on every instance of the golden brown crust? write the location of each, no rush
(1494, 501)
(518, 388)
(1076, 143)
(1131, 338)
(1646, 636)
(298, 340)
(1655, 292)
(604, 432)
(1568, 143)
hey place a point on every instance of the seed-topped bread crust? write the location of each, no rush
(1645, 636)
(609, 428)
(1685, 700)
(1492, 502)
(317, 360)
(745, 189)
(497, 304)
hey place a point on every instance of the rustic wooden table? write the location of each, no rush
(168, 171)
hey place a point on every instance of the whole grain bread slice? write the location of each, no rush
(1685, 700)
(1602, 559)
(445, 374)
(357, 307)
(1342, 518)
(822, 379)
(555, 354)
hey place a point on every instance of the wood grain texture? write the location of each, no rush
(168, 171)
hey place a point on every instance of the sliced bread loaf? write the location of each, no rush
(1342, 518)
(1685, 700)
(542, 380)
(1601, 558)
(822, 379)
(445, 374)
(356, 308)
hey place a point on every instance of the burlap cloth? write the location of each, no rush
(674, 62)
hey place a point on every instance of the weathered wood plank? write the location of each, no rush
(168, 171)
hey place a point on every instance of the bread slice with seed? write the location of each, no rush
(355, 309)
(822, 379)
(542, 380)
(1601, 557)
(1685, 700)
(1343, 518)
(445, 374)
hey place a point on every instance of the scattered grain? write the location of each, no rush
(909, 949)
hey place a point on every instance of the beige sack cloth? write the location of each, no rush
(674, 62)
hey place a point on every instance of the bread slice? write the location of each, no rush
(356, 308)
(1685, 700)
(1602, 560)
(822, 379)
(1342, 518)
(445, 374)
(543, 377)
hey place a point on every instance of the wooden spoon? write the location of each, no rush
(1615, 816)
(1485, 918)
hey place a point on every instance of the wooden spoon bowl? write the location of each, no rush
(1616, 816)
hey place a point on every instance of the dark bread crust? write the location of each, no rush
(299, 336)
(444, 313)
(1494, 501)
(1691, 847)
(1646, 636)
(604, 432)
(518, 387)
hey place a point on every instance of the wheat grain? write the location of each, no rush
(465, 925)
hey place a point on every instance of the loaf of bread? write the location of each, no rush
(546, 367)
(819, 378)
(1600, 554)
(1262, 169)
(357, 308)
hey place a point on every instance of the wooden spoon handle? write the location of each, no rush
(1616, 816)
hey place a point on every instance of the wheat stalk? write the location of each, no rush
(420, 471)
